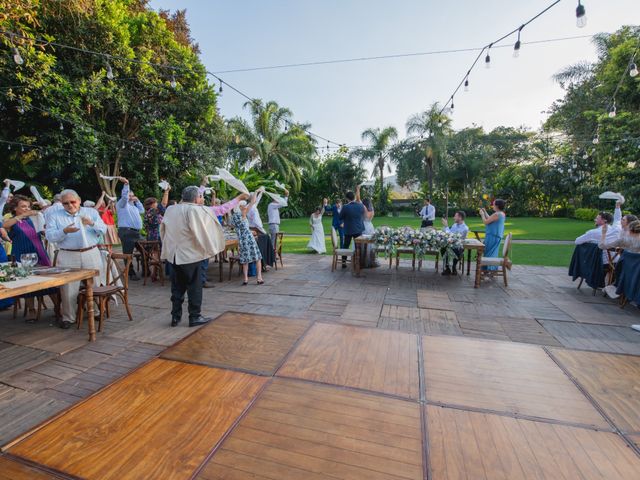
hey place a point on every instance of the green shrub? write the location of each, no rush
(586, 214)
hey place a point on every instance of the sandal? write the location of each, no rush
(244, 284)
(260, 282)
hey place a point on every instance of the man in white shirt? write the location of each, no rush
(273, 215)
(76, 231)
(428, 214)
(595, 235)
(190, 233)
(460, 228)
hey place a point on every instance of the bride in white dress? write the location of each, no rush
(317, 237)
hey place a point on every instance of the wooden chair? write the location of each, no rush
(437, 259)
(233, 258)
(118, 285)
(503, 264)
(339, 252)
(278, 249)
(152, 266)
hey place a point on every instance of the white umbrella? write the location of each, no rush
(232, 181)
(16, 184)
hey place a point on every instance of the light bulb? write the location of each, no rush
(17, 57)
(466, 85)
(581, 16)
(109, 72)
(516, 49)
(220, 89)
(61, 126)
(585, 156)
(612, 112)
(173, 82)
(596, 140)
(633, 70)
(487, 61)
(21, 108)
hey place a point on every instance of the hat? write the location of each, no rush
(89, 204)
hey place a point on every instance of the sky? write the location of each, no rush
(342, 100)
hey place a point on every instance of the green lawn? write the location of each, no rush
(523, 228)
(522, 254)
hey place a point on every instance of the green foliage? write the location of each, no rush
(586, 214)
(273, 142)
(59, 86)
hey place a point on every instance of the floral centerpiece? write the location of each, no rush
(383, 237)
(9, 273)
(422, 241)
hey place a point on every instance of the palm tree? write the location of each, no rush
(272, 142)
(428, 132)
(380, 150)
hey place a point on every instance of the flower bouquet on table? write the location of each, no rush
(384, 237)
(9, 273)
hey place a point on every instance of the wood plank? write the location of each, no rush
(515, 449)
(161, 420)
(328, 432)
(350, 356)
(17, 358)
(11, 469)
(599, 338)
(505, 377)
(255, 343)
(612, 380)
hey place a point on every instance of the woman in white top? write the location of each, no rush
(317, 236)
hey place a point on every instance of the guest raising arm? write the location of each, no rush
(247, 246)
(595, 235)
(273, 214)
(129, 210)
(4, 196)
(494, 230)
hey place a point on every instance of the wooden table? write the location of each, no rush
(469, 245)
(361, 243)
(230, 244)
(58, 280)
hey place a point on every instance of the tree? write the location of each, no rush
(424, 149)
(61, 100)
(273, 142)
(379, 152)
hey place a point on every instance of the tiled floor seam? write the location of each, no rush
(593, 402)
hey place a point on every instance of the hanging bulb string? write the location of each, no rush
(173, 68)
(490, 45)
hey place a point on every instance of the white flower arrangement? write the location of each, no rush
(422, 241)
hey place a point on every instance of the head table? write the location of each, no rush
(50, 279)
(363, 241)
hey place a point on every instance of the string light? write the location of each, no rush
(487, 59)
(61, 126)
(173, 82)
(466, 82)
(596, 139)
(612, 110)
(220, 89)
(516, 47)
(633, 70)
(581, 15)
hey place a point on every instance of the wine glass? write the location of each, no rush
(25, 262)
(34, 260)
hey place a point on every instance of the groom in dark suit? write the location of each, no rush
(352, 215)
(336, 222)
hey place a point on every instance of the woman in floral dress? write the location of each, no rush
(247, 246)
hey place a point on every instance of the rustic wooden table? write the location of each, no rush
(469, 245)
(229, 245)
(58, 280)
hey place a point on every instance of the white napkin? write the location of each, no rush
(232, 181)
(611, 196)
(36, 195)
(278, 199)
(214, 178)
(17, 184)
(113, 199)
(207, 191)
(164, 185)
(280, 185)
(107, 177)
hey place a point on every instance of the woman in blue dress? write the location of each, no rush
(494, 230)
(247, 245)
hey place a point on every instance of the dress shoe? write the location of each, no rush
(175, 321)
(199, 321)
(64, 325)
(454, 271)
(446, 272)
(208, 285)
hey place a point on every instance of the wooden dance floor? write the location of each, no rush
(252, 396)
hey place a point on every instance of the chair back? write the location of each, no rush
(628, 283)
(279, 238)
(54, 263)
(334, 239)
(506, 249)
(121, 262)
(586, 263)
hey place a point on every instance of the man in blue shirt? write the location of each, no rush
(76, 230)
(129, 210)
(335, 221)
(463, 230)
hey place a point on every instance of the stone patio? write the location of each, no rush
(45, 370)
